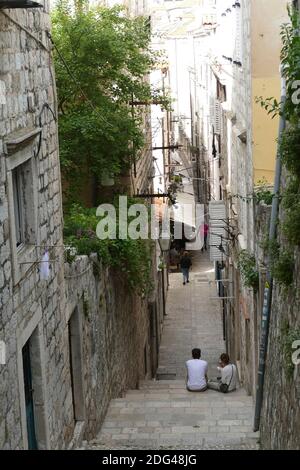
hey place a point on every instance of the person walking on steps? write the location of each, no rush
(204, 232)
(185, 264)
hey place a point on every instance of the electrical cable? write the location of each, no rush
(26, 31)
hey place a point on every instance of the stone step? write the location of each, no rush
(162, 414)
(164, 442)
(179, 438)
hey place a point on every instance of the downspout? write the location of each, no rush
(266, 314)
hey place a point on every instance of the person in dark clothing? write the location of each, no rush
(185, 264)
(204, 232)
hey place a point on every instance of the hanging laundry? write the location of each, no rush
(45, 267)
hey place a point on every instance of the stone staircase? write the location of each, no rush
(162, 414)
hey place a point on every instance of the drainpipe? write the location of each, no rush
(266, 314)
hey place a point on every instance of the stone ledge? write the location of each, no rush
(18, 139)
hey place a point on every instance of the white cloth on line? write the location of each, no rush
(45, 267)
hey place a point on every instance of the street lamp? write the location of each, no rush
(164, 242)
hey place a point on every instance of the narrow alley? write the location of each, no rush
(149, 209)
(162, 414)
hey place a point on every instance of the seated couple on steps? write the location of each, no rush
(197, 380)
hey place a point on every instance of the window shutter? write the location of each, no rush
(212, 111)
(217, 117)
(238, 34)
(217, 232)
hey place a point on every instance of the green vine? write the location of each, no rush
(287, 337)
(283, 268)
(263, 193)
(271, 105)
(282, 263)
(289, 148)
(131, 258)
(247, 266)
(291, 203)
(176, 179)
(162, 265)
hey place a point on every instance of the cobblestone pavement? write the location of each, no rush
(162, 414)
(193, 320)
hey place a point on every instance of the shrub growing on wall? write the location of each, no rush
(131, 258)
(247, 266)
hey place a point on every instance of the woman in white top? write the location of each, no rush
(229, 376)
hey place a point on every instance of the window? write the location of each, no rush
(221, 92)
(18, 206)
(22, 189)
(23, 203)
(238, 36)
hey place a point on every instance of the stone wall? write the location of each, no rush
(237, 170)
(28, 305)
(280, 419)
(280, 422)
(110, 329)
(115, 335)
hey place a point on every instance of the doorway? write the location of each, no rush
(29, 401)
(76, 369)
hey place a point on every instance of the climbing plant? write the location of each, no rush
(131, 258)
(281, 262)
(247, 266)
(283, 268)
(263, 193)
(289, 147)
(288, 336)
(291, 204)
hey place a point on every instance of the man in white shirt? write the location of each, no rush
(196, 372)
(229, 376)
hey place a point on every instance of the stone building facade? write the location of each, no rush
(30, 226)
(280, 415)
(238, 183)
(238, 142)
(236, 72)
(280, 419)
(114, 339)
(222, 110)
(71, 337)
